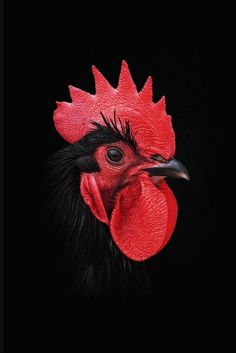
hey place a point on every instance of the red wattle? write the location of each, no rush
(172, 212)
(143, 218)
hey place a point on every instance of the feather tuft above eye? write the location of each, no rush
(117, 128)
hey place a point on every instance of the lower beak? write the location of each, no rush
(172, 168)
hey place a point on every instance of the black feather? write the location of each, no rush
(122, 133)
(95, 264)
(87, 164)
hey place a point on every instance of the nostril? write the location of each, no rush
(159, 158)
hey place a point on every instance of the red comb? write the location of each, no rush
(73, 120)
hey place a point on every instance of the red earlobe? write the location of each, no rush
(92, 197)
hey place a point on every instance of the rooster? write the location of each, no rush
(108, 187)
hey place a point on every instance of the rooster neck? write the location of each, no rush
(94, 263)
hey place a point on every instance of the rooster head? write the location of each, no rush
(123, 179)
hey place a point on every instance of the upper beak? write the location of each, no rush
(172, 168)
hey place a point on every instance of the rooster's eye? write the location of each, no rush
(114, 156)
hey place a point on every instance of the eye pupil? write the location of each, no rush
(114, 155)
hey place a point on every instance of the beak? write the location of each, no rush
(172, 168)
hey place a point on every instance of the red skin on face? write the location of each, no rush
(140, 211)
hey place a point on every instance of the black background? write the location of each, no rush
(43, 58)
